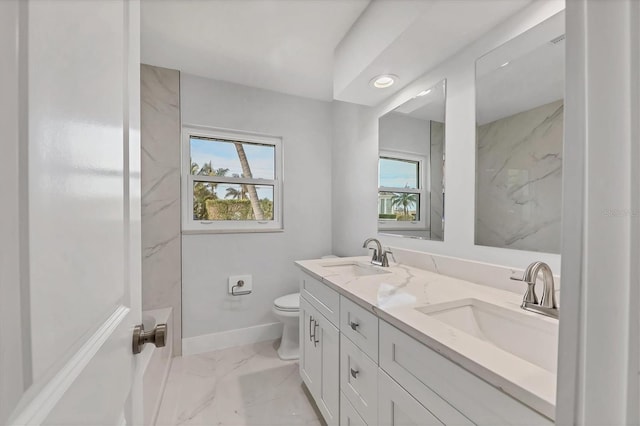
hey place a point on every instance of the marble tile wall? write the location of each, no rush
(161, 241)
(437, 180)
(519, 180)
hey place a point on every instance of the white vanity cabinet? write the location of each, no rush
(363, 371)
(320, 351)
(374, 397)
(449, 392)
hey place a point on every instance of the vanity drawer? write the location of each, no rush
(450, 392)
(360, 326)
(359, 380)
(348, 415)
(323, 298)
(397, 408)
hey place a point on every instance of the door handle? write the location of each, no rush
(157, 336)
(354, 325)
(354, 373)
(311, 336)
(315, 337)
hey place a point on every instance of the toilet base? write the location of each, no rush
(289, 344)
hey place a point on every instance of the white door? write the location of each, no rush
(70, 212)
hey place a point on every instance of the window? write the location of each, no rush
(402, 200)
(231, 181)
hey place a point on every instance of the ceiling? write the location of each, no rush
(281, 45)
(524, 73)
(321, 49)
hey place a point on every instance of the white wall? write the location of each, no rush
(355, 176)
(208, 259)
(400, 132)
(12, 172)
(355, 152)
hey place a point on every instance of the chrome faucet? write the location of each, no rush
(547, 304)
(379, 257)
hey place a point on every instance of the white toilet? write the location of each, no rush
(287, 309)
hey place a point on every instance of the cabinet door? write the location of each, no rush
(348, 415)
(396, 407)
(310, 354)
(329, 346)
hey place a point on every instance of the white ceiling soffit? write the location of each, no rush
(281, 45)
(407, 38)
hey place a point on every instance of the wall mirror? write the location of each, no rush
(519, 136)
(411, 166)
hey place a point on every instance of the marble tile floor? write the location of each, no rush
(247, 385)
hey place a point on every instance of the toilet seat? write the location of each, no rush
(288, 303)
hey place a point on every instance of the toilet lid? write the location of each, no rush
(290, 302)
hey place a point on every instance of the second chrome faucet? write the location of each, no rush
(547, 304)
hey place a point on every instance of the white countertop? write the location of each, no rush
(393, 297)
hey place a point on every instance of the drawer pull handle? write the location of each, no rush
(354, 325)
(316, 340)
(354, 373)
(311, 336)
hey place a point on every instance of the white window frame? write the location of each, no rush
(189, 225)
(423, 223)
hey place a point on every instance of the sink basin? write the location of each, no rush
(523, 335)
(355, 269)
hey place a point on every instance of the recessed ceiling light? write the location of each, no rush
(424, 93)
(383, 81)
(504, 65)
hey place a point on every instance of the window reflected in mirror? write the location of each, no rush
(400, 190)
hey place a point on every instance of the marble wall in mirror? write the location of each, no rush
(411, 166)
(519, 136)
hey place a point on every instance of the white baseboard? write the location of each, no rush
(231, 338)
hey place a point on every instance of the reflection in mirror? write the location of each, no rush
(519, 114)
(411, 167)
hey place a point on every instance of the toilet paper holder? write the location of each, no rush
(239, 284)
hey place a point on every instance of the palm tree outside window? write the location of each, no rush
(232, 181)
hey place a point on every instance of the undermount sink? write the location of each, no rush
(523, 335)
(355, 269)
